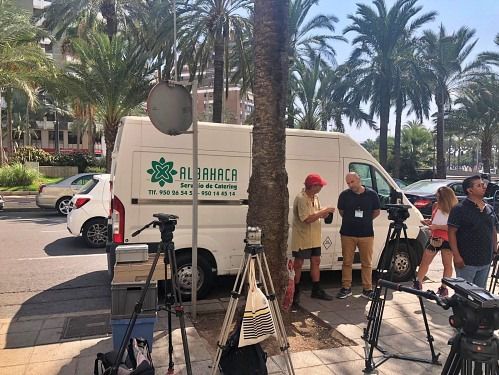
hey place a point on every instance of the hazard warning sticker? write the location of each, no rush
(327, 243)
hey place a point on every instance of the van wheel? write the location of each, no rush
(402, 266)
(94, 233)
(184, 275)
(62, 206)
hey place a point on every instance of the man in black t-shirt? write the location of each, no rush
(472, 233)
(358, 206)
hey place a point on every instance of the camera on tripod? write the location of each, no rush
(398, 212)
(253, 236)
(476, 311)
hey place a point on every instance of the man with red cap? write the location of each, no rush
(306, 234)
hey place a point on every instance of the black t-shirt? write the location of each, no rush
(474, 232)
(358, 210)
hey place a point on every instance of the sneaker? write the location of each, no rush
(417, 285)
(442, 292)
(296, 300)
(368, 293)
(321, 294)
(344, 293)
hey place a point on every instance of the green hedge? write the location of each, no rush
(30, 153)
(17, 175)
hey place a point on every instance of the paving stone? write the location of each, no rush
(49, 336)
(13, 357)
(315, 370)
(402, 343)
(85, 365)
(53, 323)
(348, 368)
(18, 340)
(16, 327)
(59, 367)
(53, 352)
(328, 356)
(12, 370)
(299, 360)
(330, 317)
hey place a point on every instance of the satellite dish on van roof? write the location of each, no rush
(169, 107)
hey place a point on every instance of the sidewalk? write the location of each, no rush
(35, 345)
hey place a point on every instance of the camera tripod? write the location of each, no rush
(254, 251)
(375, 316)
(166, 224)
(494, 276)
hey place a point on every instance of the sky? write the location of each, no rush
(481, 15)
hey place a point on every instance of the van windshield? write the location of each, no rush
(87, 188)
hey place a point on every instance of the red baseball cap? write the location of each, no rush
(314, 179)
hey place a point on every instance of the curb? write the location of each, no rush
(22, 209)
(21, 193)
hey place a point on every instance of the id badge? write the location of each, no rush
(359, 213)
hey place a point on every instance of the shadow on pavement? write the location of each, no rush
(43, 318)
(70, 246)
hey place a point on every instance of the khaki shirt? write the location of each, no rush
(303, 235)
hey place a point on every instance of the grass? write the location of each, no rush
(34, 186)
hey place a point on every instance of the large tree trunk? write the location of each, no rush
(218, 78)
(268, 192)
(441, 168)
(384, 119)
(398, 131)
(1, 134)
(89, 115)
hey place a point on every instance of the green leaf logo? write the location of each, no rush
(162, 172)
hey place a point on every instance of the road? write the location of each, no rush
(45, 270)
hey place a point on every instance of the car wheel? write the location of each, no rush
(402, 267)
(184, 275)
(63, 206)
(95, 233)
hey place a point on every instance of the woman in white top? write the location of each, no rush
(439, 241)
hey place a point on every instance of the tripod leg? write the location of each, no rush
(179, 310)
(453, 364)
(231, 310)
(269, 290)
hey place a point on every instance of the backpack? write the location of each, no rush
(136, 360)
(247, 360)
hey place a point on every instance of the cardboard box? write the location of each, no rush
(132, 272)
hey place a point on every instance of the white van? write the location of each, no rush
(152, 173)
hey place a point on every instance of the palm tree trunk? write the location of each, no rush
(110, 131)
(218, 78)
(108, 11)
(10, 104)
(268, 192)
(486, 151)
(441, 168)
(91, 124)
(384, 119)
(398, 130)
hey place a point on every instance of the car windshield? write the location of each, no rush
(87, 188)
(424, 187)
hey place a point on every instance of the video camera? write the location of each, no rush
(398, 212)
(475, 310)
(253, 236)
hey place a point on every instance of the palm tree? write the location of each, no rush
(417, 147)
(23, 64)
(478, 114)
(213, 28)
(445, 55)
(307, 39)
(62, 15)
(411, 84)
(379, 34)
(491, 58)
(114, 76)
(268, 191)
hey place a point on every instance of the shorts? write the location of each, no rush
(307, 253)
(445, 246)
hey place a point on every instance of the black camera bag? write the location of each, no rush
(137, 351)
(247, 360)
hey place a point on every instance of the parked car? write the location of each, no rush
(422, 194)
(59, 195)
(401, 183)
(89, 211)
(2, 202)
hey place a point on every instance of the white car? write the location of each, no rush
(89, 211)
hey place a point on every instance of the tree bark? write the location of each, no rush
(108, 11)
(441, 168)
(268, 192)
(398, 131)
(218, 78)
(110, 131)
(10, 105)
